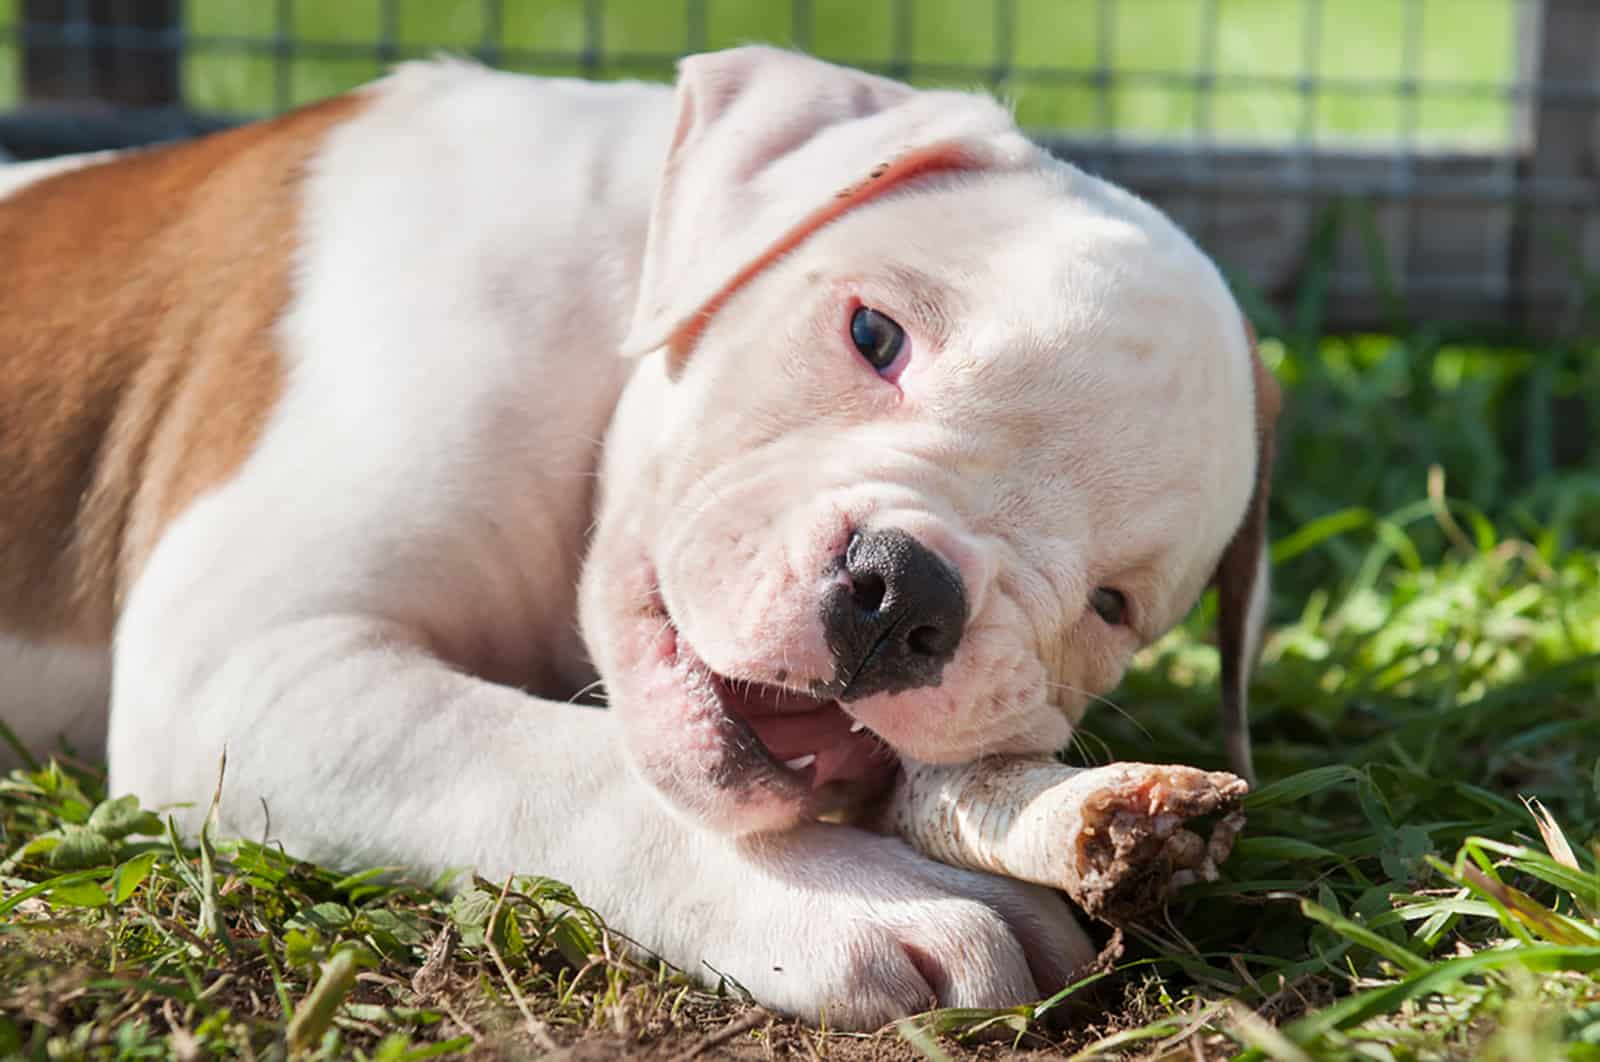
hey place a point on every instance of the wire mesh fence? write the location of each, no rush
(1430, 158)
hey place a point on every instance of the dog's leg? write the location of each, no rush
(365, 750)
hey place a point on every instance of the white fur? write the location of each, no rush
(378, 615)
(52, 694)
(55, 694)
(15, 176)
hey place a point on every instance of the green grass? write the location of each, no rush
(1460, 41)
(1435, 659)
(10, 75)
(231, 67)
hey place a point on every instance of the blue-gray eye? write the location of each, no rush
(1109, 605)
(877, 337)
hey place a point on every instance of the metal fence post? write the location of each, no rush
(1557, 235)
(109, 51)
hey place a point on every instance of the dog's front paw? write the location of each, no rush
(855, 931)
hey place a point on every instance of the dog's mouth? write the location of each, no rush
(812, 741)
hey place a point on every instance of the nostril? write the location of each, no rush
(868, 589)
(895, 618)
(928, 641)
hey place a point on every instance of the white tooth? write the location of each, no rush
(800, 763)
(857, 727)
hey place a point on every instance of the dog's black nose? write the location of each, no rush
(896, 620)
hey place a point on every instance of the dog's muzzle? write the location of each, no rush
(894, 618)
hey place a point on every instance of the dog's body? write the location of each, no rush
(322, 425)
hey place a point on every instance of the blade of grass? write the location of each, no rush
(1363, 936)
(94, 874)
(18, 749)
(1251, 1029)
(1358, 1008)
(314, 1016)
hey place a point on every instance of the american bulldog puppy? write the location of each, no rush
(826, 423)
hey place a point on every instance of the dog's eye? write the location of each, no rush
(877, 337)
(1110, 605)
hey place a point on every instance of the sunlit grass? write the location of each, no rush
(1435, 660)
(1392, 888)
(10, 76)
(1045, 57)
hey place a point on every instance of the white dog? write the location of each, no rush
(824, 421)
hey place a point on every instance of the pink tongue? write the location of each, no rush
(788, 736)
(854, 760)
(826, 734)
(793, 724)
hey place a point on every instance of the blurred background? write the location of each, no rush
(1462, 130)
(1405, 194)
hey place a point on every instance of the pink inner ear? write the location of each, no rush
(936, 158)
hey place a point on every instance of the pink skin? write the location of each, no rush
(998, 439)
(715, 746)
(1067, 410)
(698, 726)
(714, 678)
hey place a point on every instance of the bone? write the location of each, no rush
(1110, 837)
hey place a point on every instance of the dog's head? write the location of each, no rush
(933, 433)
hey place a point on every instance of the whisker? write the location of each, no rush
(1082, 739)
(1078, 744)
(1107, 701)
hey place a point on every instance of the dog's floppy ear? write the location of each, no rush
(1242, 579)
(770, 145)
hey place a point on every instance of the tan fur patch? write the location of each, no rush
(138, 357)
